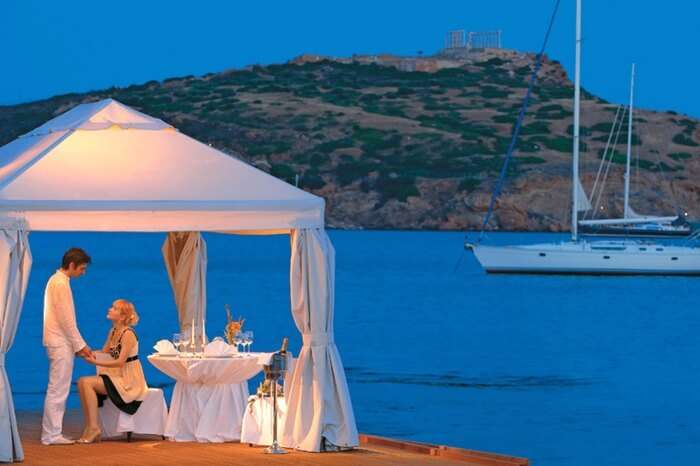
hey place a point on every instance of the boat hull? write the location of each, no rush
(610, 258)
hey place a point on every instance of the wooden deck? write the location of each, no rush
(373, 451)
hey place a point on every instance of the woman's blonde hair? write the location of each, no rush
(127, 310)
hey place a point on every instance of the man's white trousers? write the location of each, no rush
(60, 375)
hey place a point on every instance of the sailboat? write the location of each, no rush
(579, 256)
(632, 223)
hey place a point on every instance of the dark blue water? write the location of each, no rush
(563, 370)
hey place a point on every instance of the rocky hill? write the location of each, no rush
(414, 142)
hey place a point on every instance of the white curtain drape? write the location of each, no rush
(318, 400)
(185, 255)
(15, 265)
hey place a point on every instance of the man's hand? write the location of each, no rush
(86, 352)
(90, 359)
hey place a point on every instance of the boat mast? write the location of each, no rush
(577, 111)
(629, 147)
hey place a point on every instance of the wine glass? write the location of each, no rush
(177, 339)
(249, 338)
(245, 342)
(238, 339)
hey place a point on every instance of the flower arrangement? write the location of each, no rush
(232, 326)
(265, 389)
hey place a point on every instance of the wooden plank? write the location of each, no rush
(461, 454)
(373, 451)
(480, 458)
(420, 448)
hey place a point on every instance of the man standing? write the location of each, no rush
(62, 341)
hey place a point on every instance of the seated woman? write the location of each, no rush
(120, 373)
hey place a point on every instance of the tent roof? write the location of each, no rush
(106, 167)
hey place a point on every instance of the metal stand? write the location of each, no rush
(274, 449)
(277, 367)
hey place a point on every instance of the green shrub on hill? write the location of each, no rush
(636, 141)
(349, 172)
(475, 132)
(427, 136)
(312, 180)
(385, 108)
(489, 165)
(582, 130)
(509, 119)
(604, 127)
(536, 127)
(689, 125)
(456, 78)
(684, 140)
(396, 187)
(443, 121)
(268, 89)
(620, 158)
(528, 146)
(404, 91)
(442, 167)
(394, 110)
(283, 172)
(530, 160)
(268, 148)
(368, 136)
(680, 156)
(552, 112)
(341, 97)
(335, 144)
(492, 92)
(224, 92)
(318, 159)
(492, 62)
(327, 120)
(549, 92)
(307, 91)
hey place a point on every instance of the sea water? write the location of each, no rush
(564, 370)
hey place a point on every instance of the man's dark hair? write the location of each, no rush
(76, 256)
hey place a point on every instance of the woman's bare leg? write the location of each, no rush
(92, 386)
(83, 404)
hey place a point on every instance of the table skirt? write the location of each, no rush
(257, 422)
(206, 413)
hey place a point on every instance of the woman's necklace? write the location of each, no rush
(116, 336)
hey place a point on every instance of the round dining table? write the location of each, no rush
(210, 395)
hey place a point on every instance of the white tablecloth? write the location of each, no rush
(257, 422)
(209, 397)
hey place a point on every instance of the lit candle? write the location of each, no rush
(192, 335)
(203, 333)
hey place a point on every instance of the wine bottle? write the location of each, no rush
(285, 342)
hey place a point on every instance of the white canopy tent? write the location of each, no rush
(106, 167)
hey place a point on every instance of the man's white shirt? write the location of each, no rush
(60, 327)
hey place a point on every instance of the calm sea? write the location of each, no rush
(563, 370)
